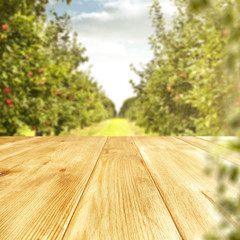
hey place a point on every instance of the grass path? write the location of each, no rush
(110, 127)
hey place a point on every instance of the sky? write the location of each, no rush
(115, 34)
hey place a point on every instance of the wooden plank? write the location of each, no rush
(18, 157)
(197, 142)
(209, 146)
(218, 139)
(6, 139)
(120, 200)
(222, 141)
(40, 195)
(9, 151)
(15, 147)
(177, 172)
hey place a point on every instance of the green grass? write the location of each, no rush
(115, 127)
(25, 131)
(110, 127)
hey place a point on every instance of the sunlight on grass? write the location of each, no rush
(115, 127)
(110, 127)
(25, 131)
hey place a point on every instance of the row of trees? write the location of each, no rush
(40, 82)
(185, 88)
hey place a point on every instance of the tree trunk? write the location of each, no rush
(38, 133)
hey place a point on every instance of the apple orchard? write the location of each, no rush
(192, 84)
(40, 84)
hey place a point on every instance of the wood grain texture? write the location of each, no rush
(121, 200)
(209, 145)
(5, 140)
(176, 168)
(218, 139)
(40, 192)
(105, 188)
(20, 145)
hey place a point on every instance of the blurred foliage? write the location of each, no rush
(228, 175)
(41, 85)
(186, 88)
(227, 193)
(128, 109)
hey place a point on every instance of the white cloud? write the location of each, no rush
(168, 8)
(118, 20)
(94, 16)
(116, 36)
(72, 13)
(52, 2)
(80, 2)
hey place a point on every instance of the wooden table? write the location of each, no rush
(105, 188)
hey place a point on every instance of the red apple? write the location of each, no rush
(42, 83)
(169, 89)
(30, 73)
(8, 101)
(34, 127)
(40, 70)
(7, 90)
(184, 120)
(5, 27)
(10, 105)
(225, 33)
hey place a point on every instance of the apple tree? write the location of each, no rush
(40, 82)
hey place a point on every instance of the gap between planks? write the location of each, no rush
(175, 167)
(232, 159)
(80, 196)
(106, 162)
(63, 210)
(159, 191)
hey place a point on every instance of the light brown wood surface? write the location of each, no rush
(177, 171)
(121, 201)
(5, 140)
(104, 188)
(43, 186)
(210, 144)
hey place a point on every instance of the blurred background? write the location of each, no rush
(119, 67)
